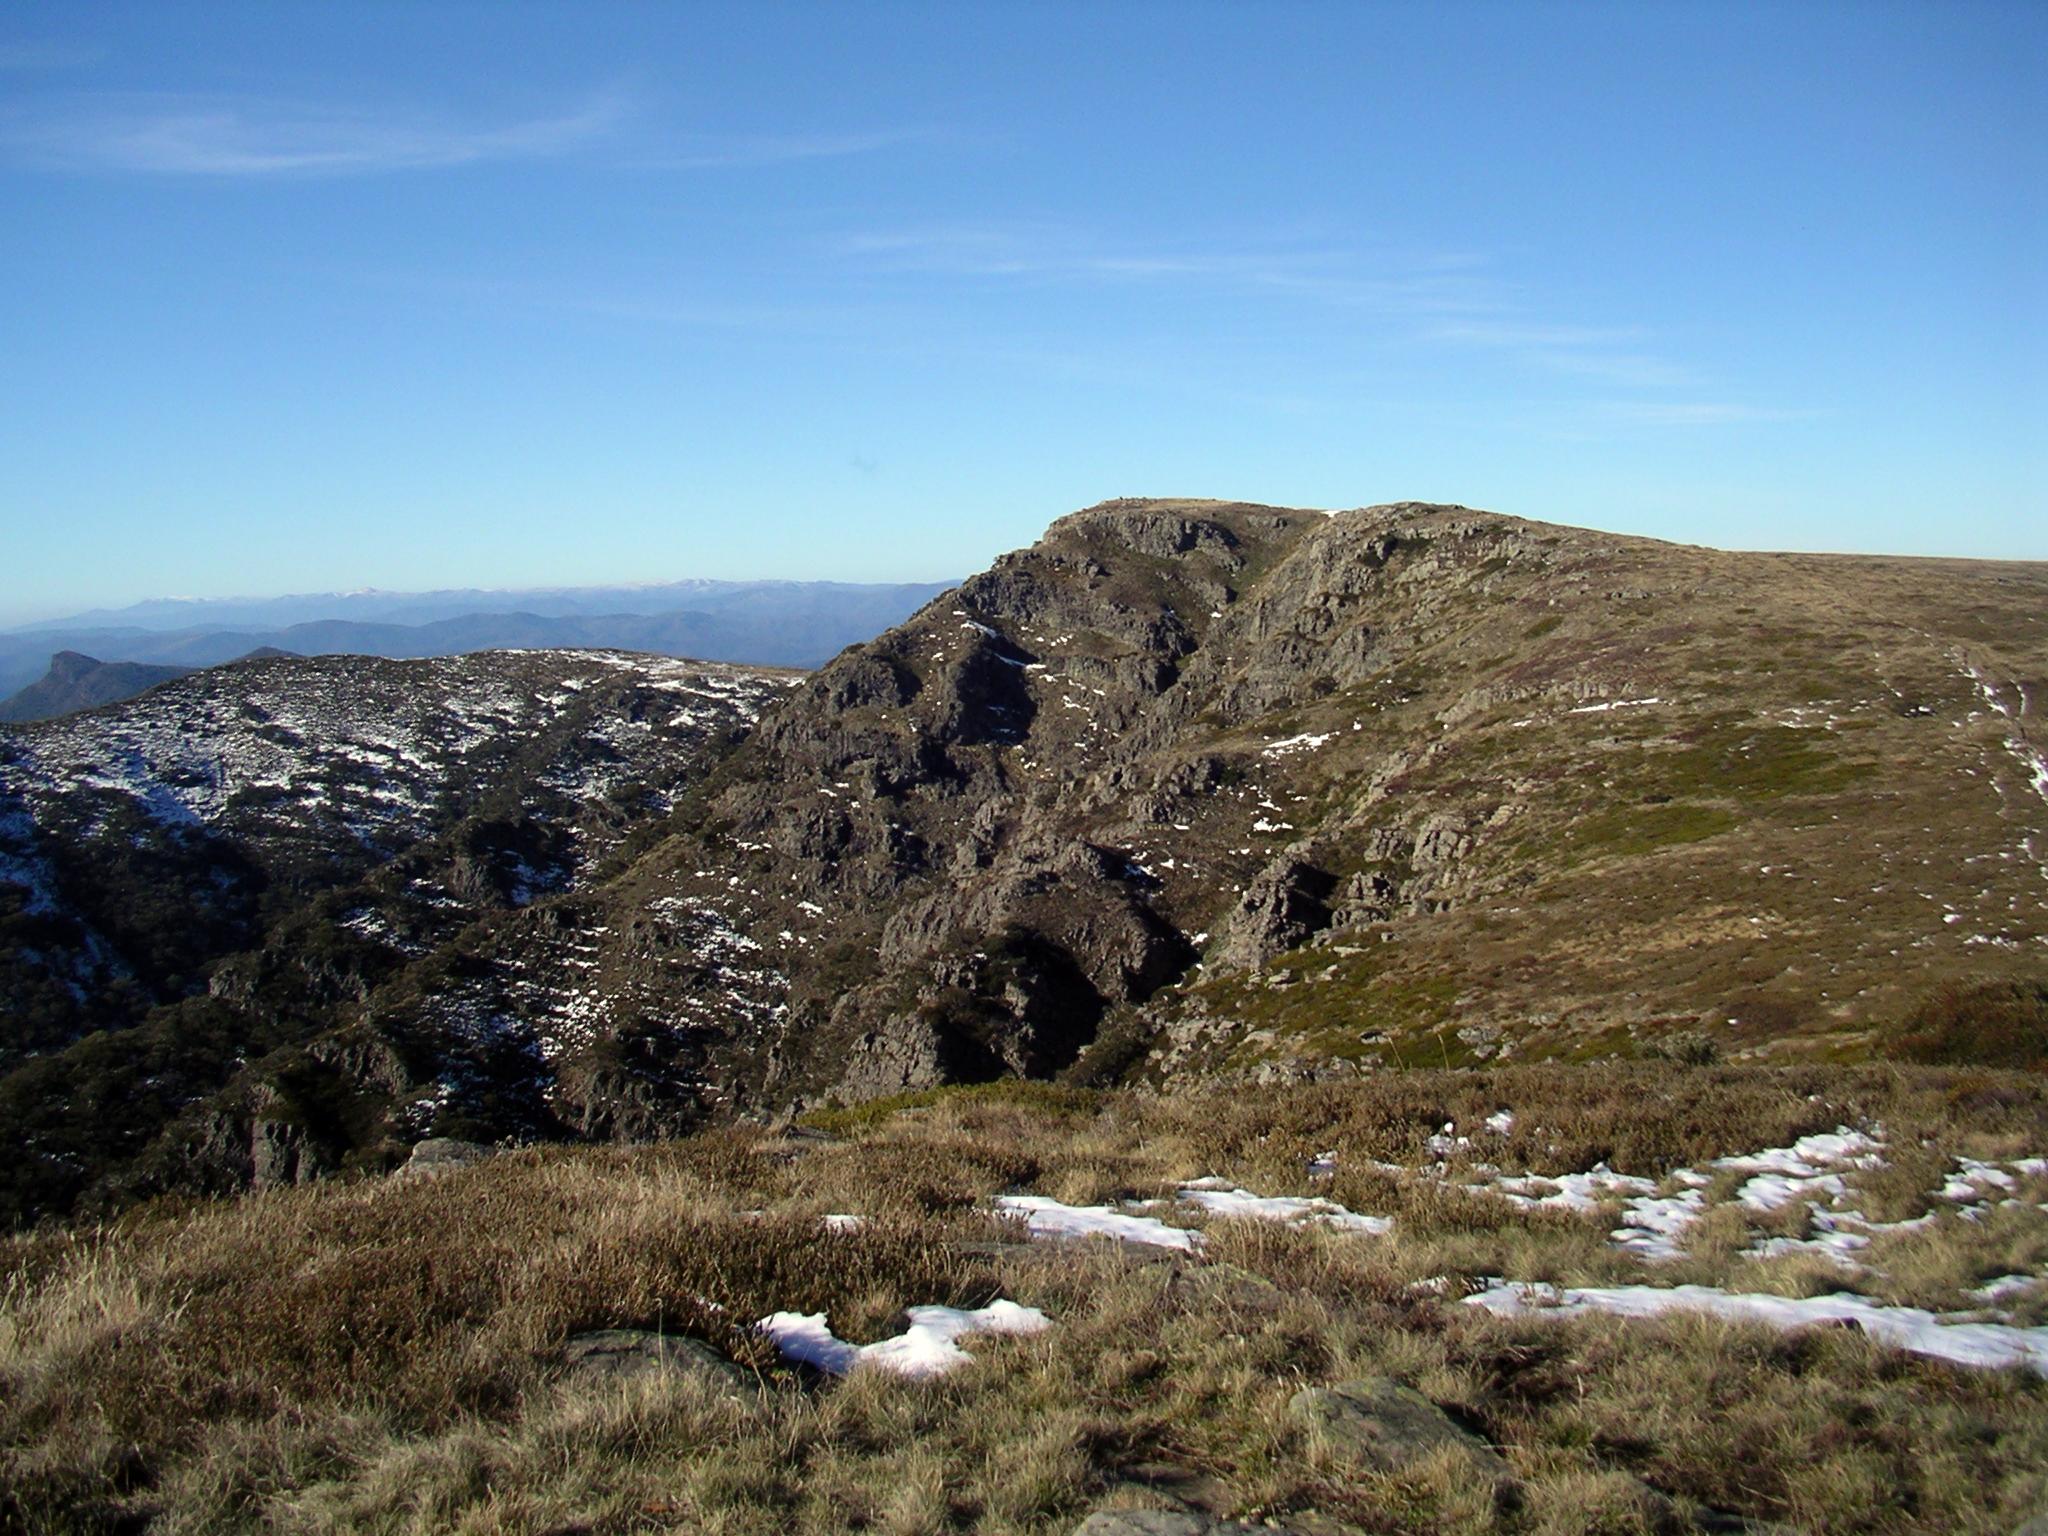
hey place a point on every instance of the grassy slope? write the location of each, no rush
(376, 1355)
(1820, 819)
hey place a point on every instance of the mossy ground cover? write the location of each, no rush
(383, 1355)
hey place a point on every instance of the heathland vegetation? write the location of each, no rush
(399, 1354)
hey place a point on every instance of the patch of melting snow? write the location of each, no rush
(1045, 1217)
(929, 1347)
(1984, 1345)
(2004, 1286)
(1219, 1197)
(1603, 708)
(1307, 741)
(1570, 1191)
(1809, 1155)
(2032, 761)
(1446, 1141)
(1654, 1226)
(1965, 1184)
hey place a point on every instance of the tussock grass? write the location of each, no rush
(383, 1356)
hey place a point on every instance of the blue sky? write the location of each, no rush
(296, 298)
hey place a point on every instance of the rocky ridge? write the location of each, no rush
(1191, 787)
(1197, 788)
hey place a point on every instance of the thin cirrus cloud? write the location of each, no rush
(210, 136)
(1446, 300)
(1053, 254)
(1611, 354)
(1696, 413)
(743, 150)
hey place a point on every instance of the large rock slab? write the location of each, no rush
(443, 1154)
(1386, 1427)
(623, 1356)
(1163, 1522)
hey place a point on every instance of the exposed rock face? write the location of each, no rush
(443, 1154)
(1195, 788)
(1177, 756)
(1282, 906)
(1164, 1522)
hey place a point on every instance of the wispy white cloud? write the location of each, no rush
(213, 136)
(1514, 333)
(1452, 301)
(1696, 413)
(1615, 354)
(714, 152)
(1051, 253)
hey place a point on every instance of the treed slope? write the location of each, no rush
(231, 863)
(1195, 786)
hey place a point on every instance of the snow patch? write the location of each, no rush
(1045, 1217)
(1988, 1346)
(929, 1347)
(1219, 1197)
(1307, 741)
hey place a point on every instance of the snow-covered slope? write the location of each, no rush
(141, 842)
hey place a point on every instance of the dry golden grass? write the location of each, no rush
(381, 1356)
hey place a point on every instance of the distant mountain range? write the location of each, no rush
(770, 623)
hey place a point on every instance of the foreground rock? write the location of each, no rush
(627, 1356)
(443, 1154)
(1386, 1427)
(1165, 1522)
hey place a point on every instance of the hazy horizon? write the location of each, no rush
(224, 599)
(656, 583)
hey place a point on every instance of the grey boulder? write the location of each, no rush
(1385, 1426)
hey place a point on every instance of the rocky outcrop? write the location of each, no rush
(443, 1154)
(1286, 904)
(76, 681)
(1166, 1522)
